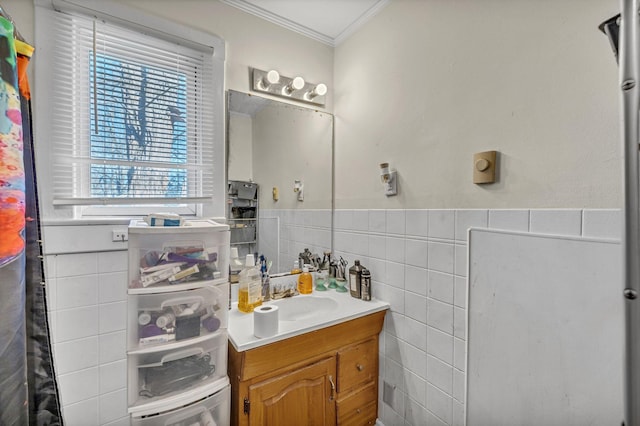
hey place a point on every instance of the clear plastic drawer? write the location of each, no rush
(165, 374)
(213, 410)
(172, 258)
(161, 318)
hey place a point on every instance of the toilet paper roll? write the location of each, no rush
(265, 321)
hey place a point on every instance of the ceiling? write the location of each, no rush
(327, 21)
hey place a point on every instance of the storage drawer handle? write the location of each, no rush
(360, 367)
(333, 388)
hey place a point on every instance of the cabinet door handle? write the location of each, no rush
(360, 367)
(333, 388)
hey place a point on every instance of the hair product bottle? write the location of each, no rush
(355, 279)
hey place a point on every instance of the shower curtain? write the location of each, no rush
(28, 392)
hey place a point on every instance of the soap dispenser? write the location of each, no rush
(305, 281)
(250, 287)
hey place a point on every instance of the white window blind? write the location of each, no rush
(132, 118)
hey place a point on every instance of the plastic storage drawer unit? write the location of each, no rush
(168, 373)
(172, 317)
(211, 411)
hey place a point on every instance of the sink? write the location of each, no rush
(303, 307)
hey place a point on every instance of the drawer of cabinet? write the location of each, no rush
(165, 373)
(156, 319)
(357, 365)
(213, 410)
(359, 407)
(163, 258)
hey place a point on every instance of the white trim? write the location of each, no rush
(363, 19)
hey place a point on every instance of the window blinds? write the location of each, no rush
(132, 122)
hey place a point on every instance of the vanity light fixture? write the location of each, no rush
(389, 179)
(295, 88)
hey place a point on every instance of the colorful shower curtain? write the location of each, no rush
(28, 392)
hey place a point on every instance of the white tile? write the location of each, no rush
(416, 252)
(51, 290)
(343, 219)
(113, 406)
(466, 219)
(415, 414)
(394, 324)
(395, 275)
(122, 421)
(459, 381)
(360, 244)
(395, 249)
(50, 266)
(460, 260)
(360, 220)
(415, 307)
(417, 223)
(440, 345)
(442, 224)
(602, 223)
(343, 242)
(391, 295)
(512, 220)
(112, 346)
(416, 360)
(390, 417)
(433, 420)
(458, 414)
(321, 218)
(392, 348)
(459, 354)
(83, 413)
(377, 221)
(416, 387)
(113, 376)
(78, 386)
(460, 323)
(377, 246)
(441, 286)
(440, 316)
(395, 222)
(440, 374)
(439, 404)
(460, 292)
(556, 222)
(416, 333)
(112, 261)
(113, 317)
(112, 287)
(77, 291)
(76, 323)
(441, 257)
(68, 265)
(76, 355)
(377, 267)
(415, 280)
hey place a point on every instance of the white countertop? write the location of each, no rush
(347, 308)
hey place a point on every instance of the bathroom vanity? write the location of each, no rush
(321, 368)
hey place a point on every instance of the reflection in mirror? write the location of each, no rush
(274, 145)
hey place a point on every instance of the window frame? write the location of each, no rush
(136, 20)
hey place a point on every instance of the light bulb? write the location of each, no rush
(272, 77)
(319, 90)
(296, 84)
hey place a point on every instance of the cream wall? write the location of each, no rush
(425, 84)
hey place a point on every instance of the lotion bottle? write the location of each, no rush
(305, 281)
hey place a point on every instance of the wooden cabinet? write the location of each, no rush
(325, 377)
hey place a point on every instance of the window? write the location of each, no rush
(133, 118)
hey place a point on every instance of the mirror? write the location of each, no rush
(280, 178)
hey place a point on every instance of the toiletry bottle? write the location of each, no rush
(235, 266)
(296, 268)
(305, 281)
(365, 292)
(355, 278)
(250, 288)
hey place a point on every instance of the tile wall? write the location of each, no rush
(418, 261)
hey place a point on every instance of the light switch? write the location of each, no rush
(484, 167)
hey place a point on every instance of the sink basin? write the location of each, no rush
(303, 307)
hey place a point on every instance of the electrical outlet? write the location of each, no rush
(387, 393)
(120, 235)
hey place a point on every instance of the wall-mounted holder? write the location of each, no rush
(389, 179)
(296, 88)
(484, 167)
(298, 187)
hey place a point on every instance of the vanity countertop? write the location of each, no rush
(344, 309)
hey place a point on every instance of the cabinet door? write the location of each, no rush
(301, 397)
